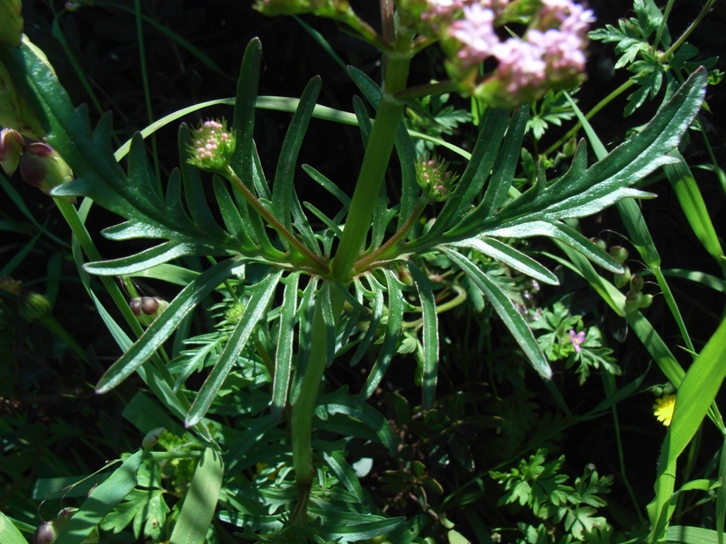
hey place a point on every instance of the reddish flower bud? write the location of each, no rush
(146, 309)
(41, 166)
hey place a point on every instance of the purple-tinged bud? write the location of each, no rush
(434, 178)
(33, 306)
(212, 146)
(11, 149)
(42, 166)
(45, 533)
(146, 309)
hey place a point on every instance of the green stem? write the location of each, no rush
(390, 248)
(301, 422)
(318, 265)
(373, 169)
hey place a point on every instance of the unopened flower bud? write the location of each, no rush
(212, 146)
(646, 300)
(619, 253)
(33, 306)
(151, 438)
(633, 301)
(434, 178)
(622, 279)
(46, 533)
(636, 282)
(41, 166)
(11, 148)
(146, 309)
(599, 242)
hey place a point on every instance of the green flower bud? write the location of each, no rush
(151, 438)
(11, 149)
(11, 23)
(646, 301)
(636, 282)
(41, 166)
(633, 301)
(33, 306)
(434, 178)
(146, 309)
(599, 242)
(621, 280)
(619, 253)
(212, 146)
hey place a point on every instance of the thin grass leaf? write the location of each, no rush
(507, 312)
(255, 310)
(689, 197)
(200, 502)
(683, 534)
(430, 332)
(283, 187)
(695, 396)
(331, 224)
(163, 327)
(305, 312)
(394, 288)
(285, 338)
(103, 499)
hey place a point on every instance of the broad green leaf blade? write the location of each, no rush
(510, 256)
(683, 534)
(163, 327)
(101, 501)
(9, 534)
(285, 338)
(393, 332)
(200, 502)
(695, 395)
(255, 310)
(507, 312)
(430, 330)
(283, 187)
(353, 527)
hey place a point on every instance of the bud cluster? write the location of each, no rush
(549, 54)
(434, 178)
(212, 146)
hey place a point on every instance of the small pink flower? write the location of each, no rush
(577, 339)
(476, 32)
(520, 64)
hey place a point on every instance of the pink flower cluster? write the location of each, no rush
(551, 51)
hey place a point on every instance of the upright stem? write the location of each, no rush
(373, 169)
(302, 411)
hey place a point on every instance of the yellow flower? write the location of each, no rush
(663, 408)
